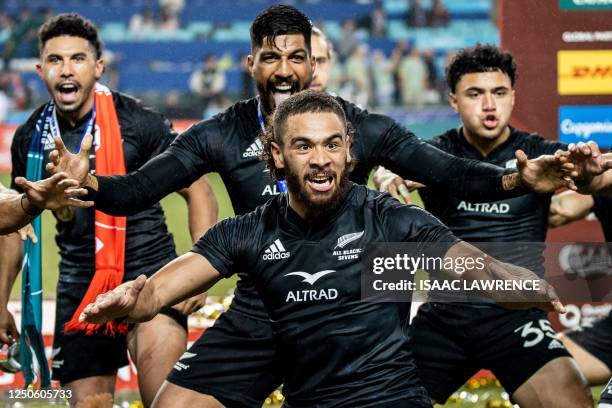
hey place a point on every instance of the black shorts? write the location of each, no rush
(452, 342)
(76, 355)
(596, 338)
(233, 361)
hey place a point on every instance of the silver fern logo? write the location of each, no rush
(348, 238)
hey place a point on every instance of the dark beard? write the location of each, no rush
(265, 94)
(316, 210)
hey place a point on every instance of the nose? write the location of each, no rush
(66, 70)
(284, 70)
(488, 102)
(319, 157)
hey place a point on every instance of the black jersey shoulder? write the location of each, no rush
(534, 145)
(401, 222)
(230, 243)
(24, 132)
(231, 121)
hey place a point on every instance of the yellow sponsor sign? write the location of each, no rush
(584, 72)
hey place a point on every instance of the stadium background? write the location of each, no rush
(186, 59)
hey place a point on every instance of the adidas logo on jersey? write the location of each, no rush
(276, 251)
(555, 344)
(48, 142)
(254, 150)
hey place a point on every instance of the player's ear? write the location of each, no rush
(452, 100)
(250, 63)
(279, 160)
(348, 151)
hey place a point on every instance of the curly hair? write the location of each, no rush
(279, 20)
(307, 101)
(480, 58)
(73, 25)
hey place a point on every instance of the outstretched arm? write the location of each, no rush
(403, 153)
(18, 210)
(544, 298)
(141, 299)
(134, 192)
(591, 169)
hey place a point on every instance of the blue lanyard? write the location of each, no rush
(54, 126)
(281, 184)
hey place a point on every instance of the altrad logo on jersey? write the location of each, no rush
(275, 252)
(490, 208)
(311, 294)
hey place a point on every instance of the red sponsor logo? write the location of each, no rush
(597, 71)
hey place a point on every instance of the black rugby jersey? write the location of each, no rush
(522, 219)
(338, 350)
(603, 209)
(145, 134)
(228, 144)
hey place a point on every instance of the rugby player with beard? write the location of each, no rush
(228, 143)
(334, 349)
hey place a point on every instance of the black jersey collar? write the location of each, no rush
(327, 220)
(462, 140)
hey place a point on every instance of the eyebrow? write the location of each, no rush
(297, 139)
(497, 88)
(77, 54)
(277, 51)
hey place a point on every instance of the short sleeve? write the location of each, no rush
(226, 245)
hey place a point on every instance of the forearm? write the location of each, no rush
(11, 253)
(134, 192)
(184, 277)
(480, 271)
(462, 178)
(15, 212)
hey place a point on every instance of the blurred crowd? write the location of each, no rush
(372, 78)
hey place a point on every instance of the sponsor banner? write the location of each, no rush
(584, 123)
(584, 72)
(579, 314)
(585, 4)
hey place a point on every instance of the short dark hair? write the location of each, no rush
(480, 58)
(307, 101)
(73, 25)
(279, 20)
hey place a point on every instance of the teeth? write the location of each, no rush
(283, 88)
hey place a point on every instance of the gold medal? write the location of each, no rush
(65, 214)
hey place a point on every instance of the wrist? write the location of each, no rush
(29, 208)
(512, 181)
(91, 182)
